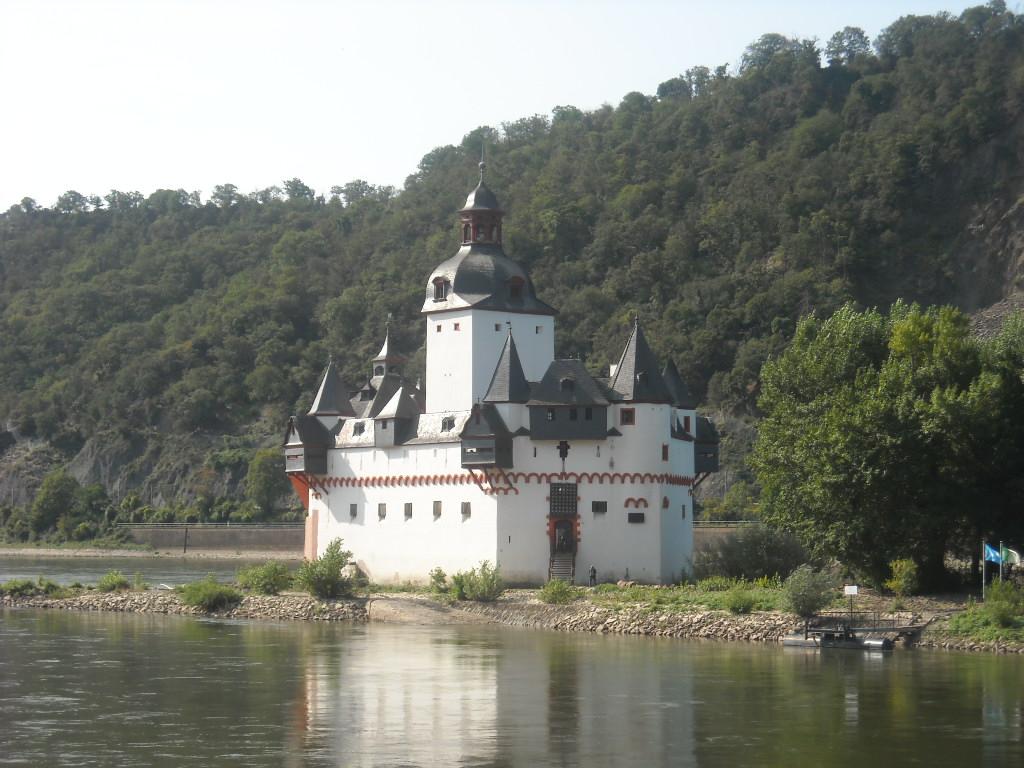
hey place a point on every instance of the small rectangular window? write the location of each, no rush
(588, 414)
(497, 326)
(627, 417)
(635, 517)
(437, 510)
(686, 423)
(353, 510)
(358, 428)
(683, 508)
(455, 326)
(408, 510)
(538, 328)
(466, 510)
(573, 414)
(382, 511)
(384, 424)
(664, 452)
(599, 507)
(438, 327)
(550, 415)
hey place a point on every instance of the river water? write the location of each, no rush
(152, 570)
(100, 689)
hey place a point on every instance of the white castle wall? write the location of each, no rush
(396, 549)
(460, 363)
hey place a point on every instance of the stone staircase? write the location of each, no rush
(562, 566)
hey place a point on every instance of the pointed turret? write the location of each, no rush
(508, 384)
(636, 376)
(681, 397)
(331, 398)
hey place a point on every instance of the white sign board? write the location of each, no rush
(850, 589)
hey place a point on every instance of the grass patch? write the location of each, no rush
(209, 594)
(760, 595)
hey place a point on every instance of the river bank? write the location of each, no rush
(192, 554)
(521, 609)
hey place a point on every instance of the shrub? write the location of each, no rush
(267, 579)
(904, 577)
(557, 592)
(808, 591)
(751, 552)
(112, 581)
(19, 588)
(139, 584)
(1004, 603)
(482, 584)
(739, 599)
(47, 587)
(209, 595)
(438, 581)
(322, 577)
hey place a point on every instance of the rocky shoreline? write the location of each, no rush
(581, 616)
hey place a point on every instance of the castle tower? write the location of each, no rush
(473, 301)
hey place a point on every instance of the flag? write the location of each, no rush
(1010, 556)
(992, 554)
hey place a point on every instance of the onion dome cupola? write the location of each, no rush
(481, 275)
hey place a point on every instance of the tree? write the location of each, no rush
(225, 195)
(884, 436)
(266, 482)
(57, 497)
(296, 190)
(846, 45)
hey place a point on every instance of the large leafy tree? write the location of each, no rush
(892, 436)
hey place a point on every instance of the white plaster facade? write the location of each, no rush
(426, 500)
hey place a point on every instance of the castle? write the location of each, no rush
(509, 455)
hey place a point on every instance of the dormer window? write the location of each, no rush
(358, 428)
(442, 288)
(378, 370)
(447, 423)
(567, 384)
(641, 378)
(515, 288)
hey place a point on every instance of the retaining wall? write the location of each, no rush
(251, 538)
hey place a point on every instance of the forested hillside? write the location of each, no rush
(154, 343)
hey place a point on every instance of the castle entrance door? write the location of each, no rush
(562, 518)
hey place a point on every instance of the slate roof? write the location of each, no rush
(681, 397)
(331, 398)
(386, 355)
(383, 389)
(480, 275)
(490, 423)
(481, 199)
(508, 384)
(549, 390)
(637, 377)
(401, 406)
(308, 431)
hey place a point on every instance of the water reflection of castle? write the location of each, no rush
(423, 696)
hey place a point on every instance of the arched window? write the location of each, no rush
(467, 233)
(378, 370)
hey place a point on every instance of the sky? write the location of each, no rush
(141, 95)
